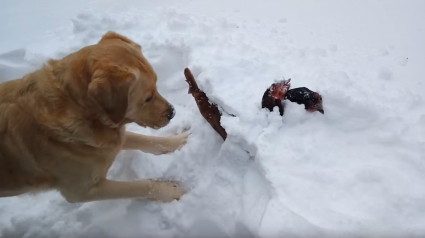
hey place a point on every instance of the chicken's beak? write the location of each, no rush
(319, 108)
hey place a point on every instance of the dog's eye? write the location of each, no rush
(149, 99)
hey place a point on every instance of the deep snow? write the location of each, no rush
(358, 170)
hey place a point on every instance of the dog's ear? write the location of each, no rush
(110, 90)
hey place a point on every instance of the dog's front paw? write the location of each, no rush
(166, 191)
(170, 144)
(178, 141)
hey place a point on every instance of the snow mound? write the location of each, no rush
(358, 170)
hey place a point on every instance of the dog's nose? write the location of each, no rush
(171, 112)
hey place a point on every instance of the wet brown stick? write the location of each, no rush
(208, 110)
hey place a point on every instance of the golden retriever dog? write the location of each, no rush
(62, 126)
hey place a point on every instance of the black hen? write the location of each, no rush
(311, 100)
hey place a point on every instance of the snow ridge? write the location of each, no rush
(355, 171)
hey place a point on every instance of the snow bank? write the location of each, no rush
(358, 170)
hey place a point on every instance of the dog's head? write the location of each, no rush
(123, 84)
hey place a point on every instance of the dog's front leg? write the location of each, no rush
(163, 191)
(154, 144)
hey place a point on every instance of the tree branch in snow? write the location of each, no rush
(208, 109)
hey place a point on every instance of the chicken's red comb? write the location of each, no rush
(284, 82)
(287, 83)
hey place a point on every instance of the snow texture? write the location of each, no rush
(356, 171)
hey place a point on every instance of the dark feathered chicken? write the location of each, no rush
(312, 101)
(277, 92)
(208, 110)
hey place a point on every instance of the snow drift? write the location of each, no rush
(358, 170)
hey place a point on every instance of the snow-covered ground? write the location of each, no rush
(356, 171)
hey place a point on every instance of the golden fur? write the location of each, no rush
(62, 126)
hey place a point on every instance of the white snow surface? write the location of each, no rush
(356, 171)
